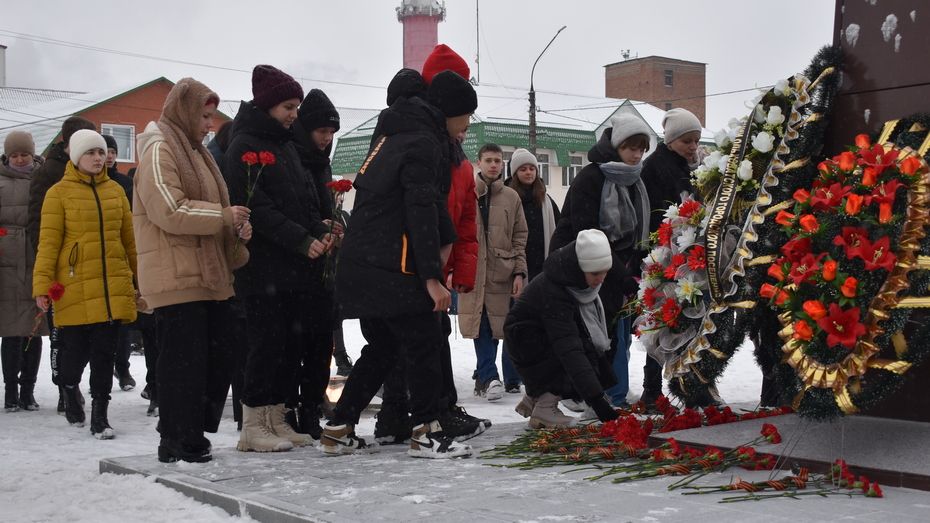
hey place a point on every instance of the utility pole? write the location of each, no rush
(532, 130)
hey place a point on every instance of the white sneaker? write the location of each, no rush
(428, 441)
(495, 390)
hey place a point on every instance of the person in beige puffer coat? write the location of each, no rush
(502, 235)
(190, 240)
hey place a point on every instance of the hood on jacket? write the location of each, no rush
(307, 148)
(37, 161)
(149, 136)
(411, 114)
(406, 83)
(184, 106)
(603, 151)
(256, 121)
(561, 267)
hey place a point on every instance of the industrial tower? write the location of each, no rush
(421, 29)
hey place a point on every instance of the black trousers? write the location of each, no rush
(416, 341)
(54, 345)
(652, 375)
(395, 385)
(94, 343)
(123, 348)
(195, 363)
(240, 353)
(20, 361)
(148, 327)
(285, 330)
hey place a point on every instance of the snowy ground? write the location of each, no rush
(50, 470)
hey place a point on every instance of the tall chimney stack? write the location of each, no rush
(421, 29)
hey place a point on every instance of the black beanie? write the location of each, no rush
(452, 94)
(111, 142)
(318, 111)
(406, 83)
(271, 86)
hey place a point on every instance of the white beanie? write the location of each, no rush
(83, 141)
(626, 125)
(678, 122)
(593, 251)
(520, 158)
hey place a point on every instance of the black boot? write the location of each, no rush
(126, 381)
(290, 417)
(152, 410)
(343, 362)
(309, 418)
(74, 408)
(393, 424)
(11, 399)
(99, 426)
(27, 400)
(170, 451)
(61, 400)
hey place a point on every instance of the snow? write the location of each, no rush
(50, 470)
(897, 43)
(866, 114)
(914, 15)
(852, 34)
(889, 26)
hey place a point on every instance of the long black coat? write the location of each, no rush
(285, 207)
(581, 211)
(316, 162)
(391, 246)
(665, 174)
(43, 178)
(547, 339)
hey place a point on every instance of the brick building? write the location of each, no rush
(122, 112)
(663, 82)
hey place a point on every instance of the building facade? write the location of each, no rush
(663, 82)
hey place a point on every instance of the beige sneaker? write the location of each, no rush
(546, 414)
(341, 439)
(256, 435)
(283, 429)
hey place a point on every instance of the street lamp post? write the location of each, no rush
(532, 131)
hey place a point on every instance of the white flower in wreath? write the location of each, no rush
(775, 117)
(704, 223)
(782, 87)
(671, 213)
(722, 138)
(722, 163)
(713, 159)
(686, 236)
(658, 255)
(745, 171)
(763, 142)
(688, 289)
(701, 174)
(758, 113)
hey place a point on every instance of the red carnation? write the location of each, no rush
(875, 491)
(665, 234)
(670, 313)
(649, 297)
(771, 433)
(266, 158)
(696, 259)
(688, 208)
(745, 453)
(842, 326)
(340, 186)
(55, 291)
(250, 158)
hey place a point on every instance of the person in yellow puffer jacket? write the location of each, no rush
(86, 244)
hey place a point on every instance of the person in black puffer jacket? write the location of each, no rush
(667, 175)
(616, 156)
(390, 267)
(556, 333)
(290, 237)
(317, 122)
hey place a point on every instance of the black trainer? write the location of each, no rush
(460, 412)
(392, 426)
(126, 381)
(27, 401)
(170, 451)
(11, 399)
(460, 428)
(74, 408)
(308, 419)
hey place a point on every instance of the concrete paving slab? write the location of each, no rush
(303, 485)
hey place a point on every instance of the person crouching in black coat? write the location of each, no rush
(556, 334)
(389, 273)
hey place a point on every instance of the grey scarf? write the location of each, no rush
(592, 313)
(621, 219)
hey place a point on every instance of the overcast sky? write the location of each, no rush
(744, 43)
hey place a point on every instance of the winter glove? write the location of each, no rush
(603, 409)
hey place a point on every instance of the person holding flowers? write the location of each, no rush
(86, 245)
(188, 234)
(21, 348)
(282, 284)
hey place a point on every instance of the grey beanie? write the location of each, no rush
(626, 125)
(19, 142)
(593, 251)
(520, 158)
(678, 122)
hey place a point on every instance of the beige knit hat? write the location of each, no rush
(19, 142)
(593, 251)
(520, 158)
(678, 122)
(83, 141)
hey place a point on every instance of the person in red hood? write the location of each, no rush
(460, 269)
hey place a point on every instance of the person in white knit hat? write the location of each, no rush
(86, 261)
(556, 333)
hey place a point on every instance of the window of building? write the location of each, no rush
(505, 169)
(125, 136)
(576, 163)
(668, 106)
(543, 160)
(668, 78)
